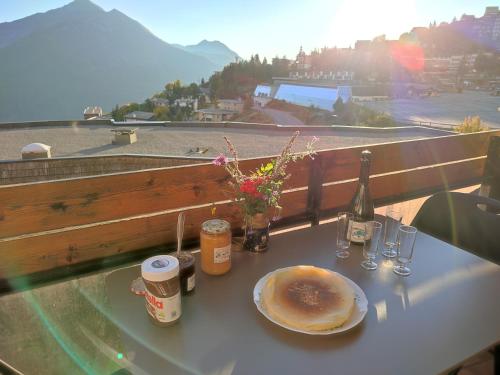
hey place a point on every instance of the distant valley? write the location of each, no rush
(54, 64)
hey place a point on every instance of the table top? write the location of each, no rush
(445, 312)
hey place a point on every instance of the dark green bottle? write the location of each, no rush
(361, 205)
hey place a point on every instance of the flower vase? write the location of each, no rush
(256, 233)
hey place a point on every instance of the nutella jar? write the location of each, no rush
(215, 244)
(163, 296)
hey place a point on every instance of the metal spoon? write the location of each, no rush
(180, 230)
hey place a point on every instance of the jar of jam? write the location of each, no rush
(163, 296)
(186, 271)
(215, 243)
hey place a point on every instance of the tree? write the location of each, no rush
(471, 125)
(338, 106)
(161, 113)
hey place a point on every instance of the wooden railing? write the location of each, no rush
(53, 224)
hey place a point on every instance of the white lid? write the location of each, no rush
(35, 147)
(160, 268)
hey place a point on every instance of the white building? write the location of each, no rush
(187, 102)
(234, 105)
(317, 96)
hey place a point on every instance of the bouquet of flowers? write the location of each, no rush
(261, 188)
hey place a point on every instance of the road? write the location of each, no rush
(280, 117)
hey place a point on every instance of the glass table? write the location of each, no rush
(427, 323)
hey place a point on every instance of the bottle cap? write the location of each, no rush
(160, 268)
(366, 155)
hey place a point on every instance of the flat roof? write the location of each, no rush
(88, 140)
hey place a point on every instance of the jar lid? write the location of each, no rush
(215, 226)
(160, 268)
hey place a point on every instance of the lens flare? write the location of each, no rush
(408, 55)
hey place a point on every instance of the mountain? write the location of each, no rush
(215, 51)
(54, 64)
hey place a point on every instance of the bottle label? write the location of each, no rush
(190, 283)
(163, 310)
(359, 231)
(222, 254)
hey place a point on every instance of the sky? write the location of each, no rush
(272, 27)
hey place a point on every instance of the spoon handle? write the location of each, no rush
(180, 230)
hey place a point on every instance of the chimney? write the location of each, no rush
(36, 151)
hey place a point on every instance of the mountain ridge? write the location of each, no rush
(58, 62)
(214, 50)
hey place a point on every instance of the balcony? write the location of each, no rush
(60, 239)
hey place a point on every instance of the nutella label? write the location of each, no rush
(163, 310)
(190, 283)
(166, 288)
(163, 299)
(222, 254)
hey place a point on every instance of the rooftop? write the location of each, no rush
(85, 140)
(140, 115)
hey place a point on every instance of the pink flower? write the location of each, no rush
(220, 160)
(315, 139)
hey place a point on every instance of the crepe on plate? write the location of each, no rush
(308, 298)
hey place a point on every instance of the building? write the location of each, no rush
(485, 29)
(92, 112)
(139, 116)
(455, 61)
(262, 91)
(160, 102)
(234, 105)
(316, 96)
(304, 69)
(187, 102)
(303, 60)
(319, 94)
(214, 114)
(262, 95)
(205, 94)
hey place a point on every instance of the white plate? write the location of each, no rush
(357, 316)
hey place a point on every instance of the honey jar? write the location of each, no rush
(215, 243)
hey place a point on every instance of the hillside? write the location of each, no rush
(54, 64)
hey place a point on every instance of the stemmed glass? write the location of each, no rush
(393, 217)
(370, 244)
(343, 234)
(406, 242)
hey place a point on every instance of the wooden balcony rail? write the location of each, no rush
(53, 224)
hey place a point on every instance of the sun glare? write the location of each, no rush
(364, 19)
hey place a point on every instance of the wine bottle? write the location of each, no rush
(361, 205)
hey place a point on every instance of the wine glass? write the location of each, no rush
(393, 218)
(343, 234)
(370, 244)
(406, 242)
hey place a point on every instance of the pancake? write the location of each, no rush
(308, 298)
